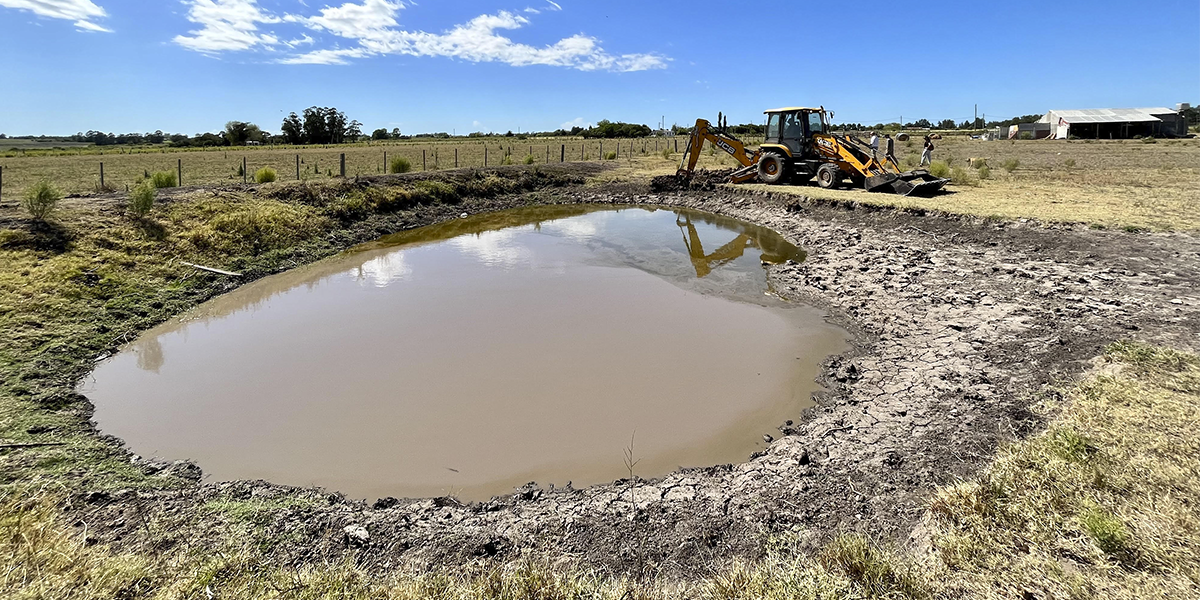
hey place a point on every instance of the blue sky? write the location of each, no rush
(494, 65)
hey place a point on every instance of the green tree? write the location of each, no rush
(238, 133)
(293, 129)
(380, 134)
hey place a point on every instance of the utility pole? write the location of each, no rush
(975, 123)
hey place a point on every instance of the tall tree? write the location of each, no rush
(315, 130)
(238, 133)
(293, 129)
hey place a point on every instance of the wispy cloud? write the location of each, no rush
(373, 29)
(578, 122)
(226, 25)
(84, 13)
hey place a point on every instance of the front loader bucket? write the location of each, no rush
(911, 183)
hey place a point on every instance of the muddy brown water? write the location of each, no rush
(474, 356)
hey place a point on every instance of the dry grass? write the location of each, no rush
(79, 172)
(1109, 185)
(1101, 504)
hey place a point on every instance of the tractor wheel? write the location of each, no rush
(771, 168)
(829, 176)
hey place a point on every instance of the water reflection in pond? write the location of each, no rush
(476, 355)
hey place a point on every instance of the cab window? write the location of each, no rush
(773, 127)
(792, 129)
(814, 123)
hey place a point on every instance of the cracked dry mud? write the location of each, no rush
(958, 324)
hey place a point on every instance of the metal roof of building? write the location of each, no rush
(790, 109)
(1107, 115)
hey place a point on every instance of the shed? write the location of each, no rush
(1115, 123)
(1035, 131)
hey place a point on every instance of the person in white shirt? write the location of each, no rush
(874, 143)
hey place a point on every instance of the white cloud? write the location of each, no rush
(578, 122)
(82, 12)
(367, 20)
(332, 56)
(226, 25)
(229, 25)
(304, 40)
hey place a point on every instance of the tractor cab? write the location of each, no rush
(791, 130)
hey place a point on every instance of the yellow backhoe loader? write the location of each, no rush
(800, 146)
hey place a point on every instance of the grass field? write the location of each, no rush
(1101, 504)
(78, 171)
(1117, 184)
(1107, 184)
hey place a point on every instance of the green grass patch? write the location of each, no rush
(251, 227)
(399, 164)
(141, 199)
(265, 175)
(163, 179)
(41, 200)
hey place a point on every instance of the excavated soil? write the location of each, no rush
(959, 324)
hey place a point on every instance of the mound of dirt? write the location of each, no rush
(700, 180)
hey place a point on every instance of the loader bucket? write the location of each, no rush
(910, 183)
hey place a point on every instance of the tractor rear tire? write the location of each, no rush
(829, 176)
(771, 168)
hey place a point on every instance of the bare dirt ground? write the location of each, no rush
(959, 322)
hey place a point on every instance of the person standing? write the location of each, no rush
(874, 142)
(927, 152)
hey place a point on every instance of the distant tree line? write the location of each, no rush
(327, 125)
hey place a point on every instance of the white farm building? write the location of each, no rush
(1114, 123)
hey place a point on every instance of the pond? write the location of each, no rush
(474, 356)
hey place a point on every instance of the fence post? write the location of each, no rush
(101, 176)
(423, 162)
(485, 155)
(1, 182)
(601, 150)
(456, 158)
(244, 174)
(563, 157)
(342, 168)
(385, 165)
(180, 171)
(297, 167)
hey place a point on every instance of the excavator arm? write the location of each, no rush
(719, 138)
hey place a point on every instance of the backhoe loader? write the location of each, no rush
(799, 147)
